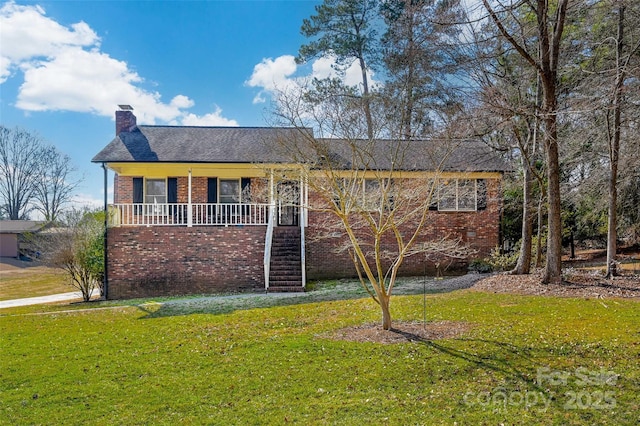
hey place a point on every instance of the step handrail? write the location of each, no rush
(268, 241)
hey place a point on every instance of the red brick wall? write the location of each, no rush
(123, 189)
(480, 230)
(156, 261)
(149, 261)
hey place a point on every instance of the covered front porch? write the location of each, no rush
(205, 195)
(216, 207)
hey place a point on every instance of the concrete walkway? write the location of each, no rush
(62, 297)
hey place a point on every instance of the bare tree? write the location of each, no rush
(605, 102)
(33, 176)
(371, 197)
(622, 56)
(507, 116)
(55, 185)
(21, 156)
(540, 45)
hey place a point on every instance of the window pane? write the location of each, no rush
(371, 194)
(229, 191)
(156, 191)
(447, 195)
(466, 194)
(482, 194)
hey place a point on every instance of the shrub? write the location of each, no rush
(481, 266)
(502, 261)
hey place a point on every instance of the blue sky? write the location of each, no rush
(66, 65)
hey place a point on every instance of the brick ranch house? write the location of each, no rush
(200, 210)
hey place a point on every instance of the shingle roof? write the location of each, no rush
(19, 226)
(385, 154)
(193, 144)
(185, 144)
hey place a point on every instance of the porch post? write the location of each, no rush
(189, 207)
(271, 188)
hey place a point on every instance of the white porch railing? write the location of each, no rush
(196, 214)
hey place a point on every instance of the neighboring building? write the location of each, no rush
(200, 210)
(12, 235)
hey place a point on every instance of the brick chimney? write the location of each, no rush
(125, 120)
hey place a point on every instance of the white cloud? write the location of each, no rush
(88, 200)
(212, 119)
(182, 101)
(27, 33)
(65, 70)
(352, 76)
(281, 74)
(272, 75)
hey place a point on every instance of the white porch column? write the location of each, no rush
(189, 207)
(271, 188)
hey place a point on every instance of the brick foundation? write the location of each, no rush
(164, 261)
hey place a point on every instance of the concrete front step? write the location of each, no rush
(286, 289)
(291, 255)
(286, 267)
(286, 277)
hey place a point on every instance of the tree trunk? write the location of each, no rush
(614, 149)
(366, 99)
(524, 259)
(539, 231)
(553, 266)
(386, 313)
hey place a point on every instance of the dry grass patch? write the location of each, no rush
(401, 332)
(26, 279)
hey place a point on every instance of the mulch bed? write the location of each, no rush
(576, 284)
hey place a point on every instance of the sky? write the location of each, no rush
(65, 66)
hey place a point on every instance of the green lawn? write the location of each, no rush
(32, 282)
(527, 360)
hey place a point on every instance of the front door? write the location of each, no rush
(288, 203)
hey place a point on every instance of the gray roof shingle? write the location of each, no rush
(170, 144)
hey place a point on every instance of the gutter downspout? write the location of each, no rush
(105, 278)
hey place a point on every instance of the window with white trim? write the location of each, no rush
(458, 195)
(229, 191)
(155, 191)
